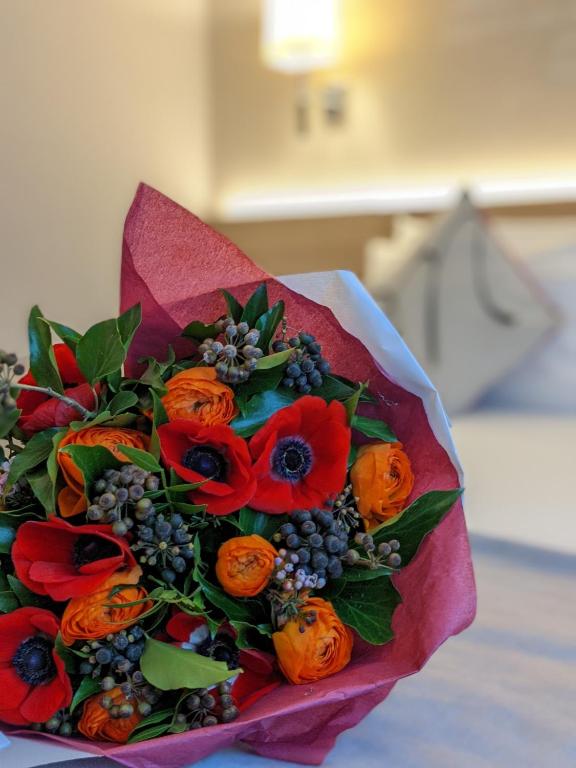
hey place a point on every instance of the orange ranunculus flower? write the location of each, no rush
(97, 724)
(324, 648)
(245, 565)
(382, 480)
(197, 394)
(71, 499)
(90, 617)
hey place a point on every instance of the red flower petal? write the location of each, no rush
(14, 689)
(324, 428)
(181, 626)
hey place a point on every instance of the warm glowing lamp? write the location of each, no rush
(300, 36)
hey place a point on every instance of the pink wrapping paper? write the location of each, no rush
(174, 265)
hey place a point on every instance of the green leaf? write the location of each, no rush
(252, 522)
(8, 601)
(7, 536)
(148, 733)
(66, 654)
(42, 360)
(122, 402)
(235, 609)
(88, 687)
(352, 402)
(142, 459)
(128, 324)
(259, 381)
(200, 331)
(268, 323)
(256, 305)
(8, 420)
(154, 718)
(374, 428)
(185, 487)
(92, 461)
(43, 488)
(274, 360)
(415, 522)
(367, 574)
(35, 452)
(171, 668)
(368, 607)
(190, 509)
(69, 336)
(24, 595)
(260, 408)
(101, 351)
(159, 417)
(235, 309)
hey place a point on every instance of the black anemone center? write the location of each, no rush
(33, 660)
(292, 459)
(89, 548)
(206, 461)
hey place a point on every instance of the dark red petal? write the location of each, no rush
(43, 701)
(181, 626)
(14, 627)
(67, 365)
(14, 689)
(45, 621)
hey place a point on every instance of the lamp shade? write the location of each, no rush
(300, 35)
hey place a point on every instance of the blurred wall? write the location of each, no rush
(94, 96)
(438, 89)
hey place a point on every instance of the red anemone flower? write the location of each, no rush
(39, 411)
(300, 456)
(260, 672)
(33, 679)
(214, 456)
(64, 561)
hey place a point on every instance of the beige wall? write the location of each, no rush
(438, 89)
(95, 95)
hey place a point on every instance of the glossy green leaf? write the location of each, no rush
(35, 452)
(256, 305)
(252, 522)
(171, 668)
(260, 408)
(148, 733)
(235, 609)
(43, 488)
(122, 402)
(274, 360)
(235, 309)
(25, 596)
(101, 351)
(128, 324)
(142, 459)
(42, 360)
(414, 523)
(8, 420)
(88, 687)
(268, 323)
(69, 336)
(200, 331)
(92, 461)
(374, 428)
(351, 403)
(368, 607)
(8, 600)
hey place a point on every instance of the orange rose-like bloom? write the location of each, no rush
(324, 648)
(245, 565)
(90, 617)
(71, 499)
(97, 724)
(382, 480)
(197, 394)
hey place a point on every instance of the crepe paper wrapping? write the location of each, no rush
(174, 265)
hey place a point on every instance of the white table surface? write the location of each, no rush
(501, 695)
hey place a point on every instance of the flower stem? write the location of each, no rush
(52, 393)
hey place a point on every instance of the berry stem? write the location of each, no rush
(52, 393)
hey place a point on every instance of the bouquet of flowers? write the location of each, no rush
(213, 498)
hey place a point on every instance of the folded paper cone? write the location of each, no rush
(174, 264)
